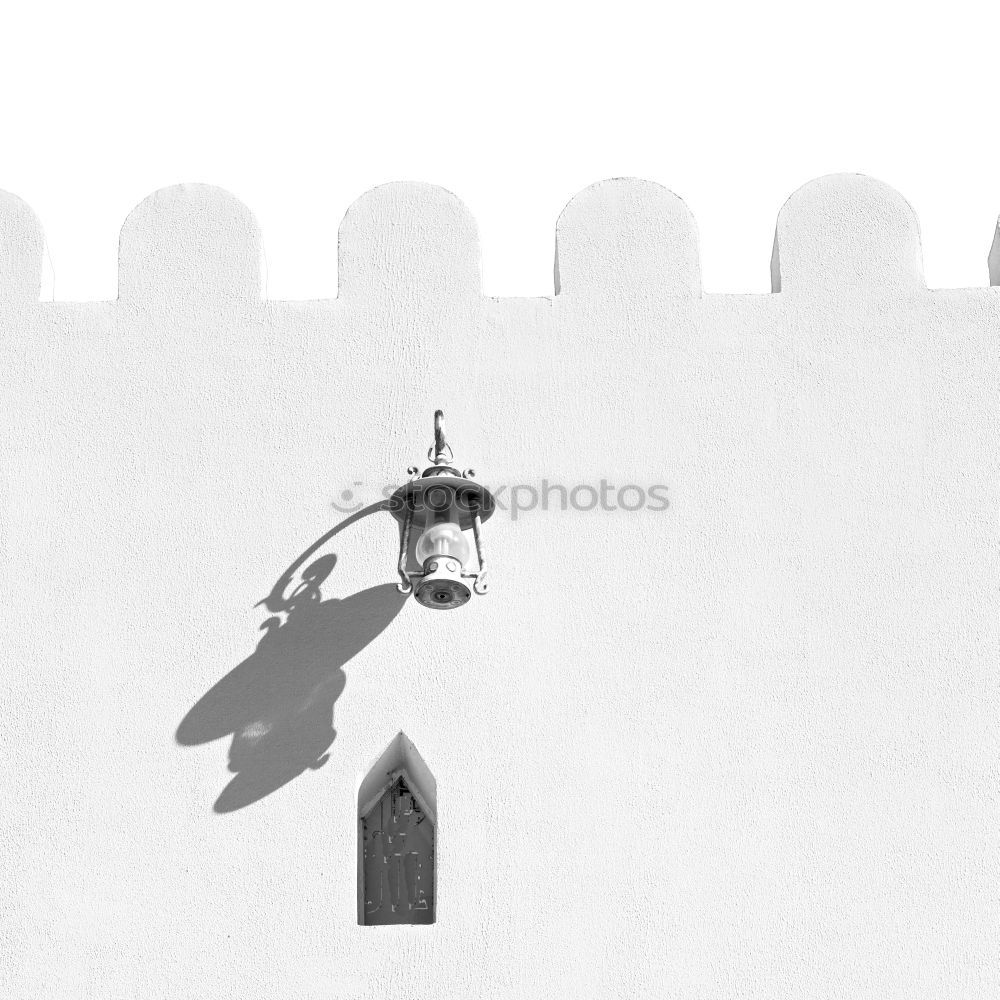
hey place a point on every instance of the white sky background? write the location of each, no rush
(299, 107)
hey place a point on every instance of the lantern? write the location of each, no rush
(442, 504)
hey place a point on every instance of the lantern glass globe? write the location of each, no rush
(443, 539)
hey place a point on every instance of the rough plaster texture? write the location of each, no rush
(745, 747)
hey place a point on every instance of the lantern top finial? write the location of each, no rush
(440, 453)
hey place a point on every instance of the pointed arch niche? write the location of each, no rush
(397, 826)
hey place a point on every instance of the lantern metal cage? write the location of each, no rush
(443, 503)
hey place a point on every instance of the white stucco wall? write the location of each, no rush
(744, 747)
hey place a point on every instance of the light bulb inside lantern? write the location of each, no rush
(443, 539)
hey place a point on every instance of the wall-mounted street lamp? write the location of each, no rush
(442, 503)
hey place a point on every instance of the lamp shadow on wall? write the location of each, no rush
(278, 704)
